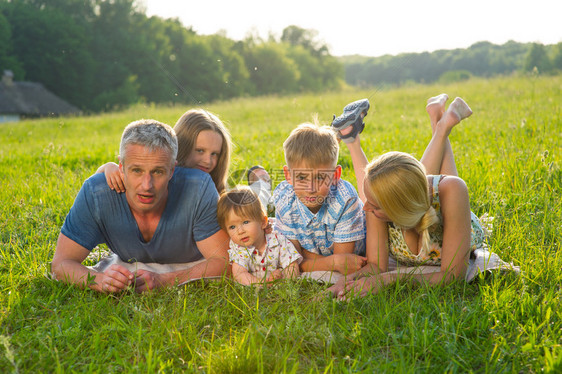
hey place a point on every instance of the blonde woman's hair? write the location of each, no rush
(243, 201)
(398, 183)
(312, 145)
(187, 129)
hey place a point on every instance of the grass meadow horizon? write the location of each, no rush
(508, 152)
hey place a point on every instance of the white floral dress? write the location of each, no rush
(278, 254)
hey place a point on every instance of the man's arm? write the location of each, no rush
(67, 267)
(215, 251)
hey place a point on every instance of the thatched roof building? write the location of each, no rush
(27, 99)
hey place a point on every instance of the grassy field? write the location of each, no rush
(509, 152)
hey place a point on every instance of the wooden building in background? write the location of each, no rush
(27, 99)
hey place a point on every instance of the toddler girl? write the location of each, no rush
(256, 256)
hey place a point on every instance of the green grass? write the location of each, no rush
(509, 152)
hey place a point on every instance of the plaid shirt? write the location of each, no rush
(340, 219)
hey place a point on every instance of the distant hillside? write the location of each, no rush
(482, 59)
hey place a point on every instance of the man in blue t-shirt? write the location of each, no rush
(167, 215)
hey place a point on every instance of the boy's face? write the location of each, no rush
(246, 232)
(312, 185)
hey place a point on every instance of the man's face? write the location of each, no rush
(146, 175)
(312, 185)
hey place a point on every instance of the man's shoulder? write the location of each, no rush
(192, 192)
(190, 179)
(97, 185)
(187, 174)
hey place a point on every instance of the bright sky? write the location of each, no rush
(375, 27)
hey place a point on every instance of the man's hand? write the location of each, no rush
(146, 281)
(115, 279)
(347, 263)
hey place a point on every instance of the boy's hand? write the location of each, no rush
(347, 263)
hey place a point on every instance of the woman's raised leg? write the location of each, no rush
(438, 157)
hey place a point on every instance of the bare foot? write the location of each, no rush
(460, 108)
(457, 111)
(435, 108)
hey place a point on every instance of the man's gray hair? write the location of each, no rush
(150, 134)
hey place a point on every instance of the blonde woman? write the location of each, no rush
(419, 223)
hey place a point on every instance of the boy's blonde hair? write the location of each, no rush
(398, 183)
(244, 202)
(187, 129)
(312, 145)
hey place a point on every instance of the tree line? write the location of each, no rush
(105, 54)
(102, 54)
(482, 59)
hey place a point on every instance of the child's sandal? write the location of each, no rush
(353, 115)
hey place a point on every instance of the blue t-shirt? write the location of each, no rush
(101, 215)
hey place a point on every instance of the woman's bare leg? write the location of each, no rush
(438, 157)
(437, 152)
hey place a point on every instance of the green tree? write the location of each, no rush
(7, 60)
(236, 77)
(197, 71)
(271, 70)
(317, 72)
(557, 57)
(52, 49)
(537, 58)
(310, 77)
(306, 38)
(116, 47)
